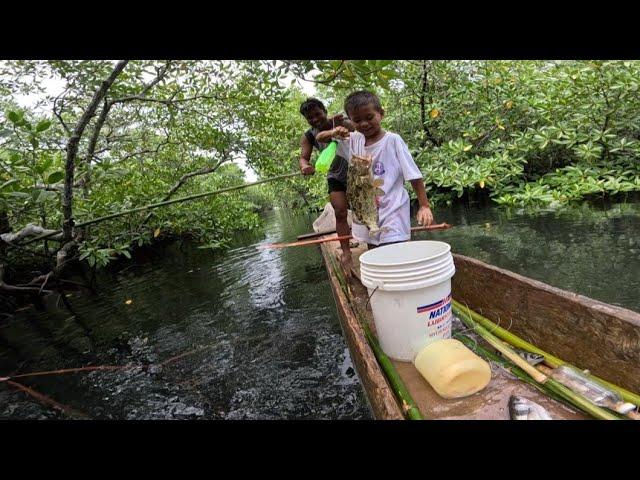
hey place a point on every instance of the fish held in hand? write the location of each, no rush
(362, 190)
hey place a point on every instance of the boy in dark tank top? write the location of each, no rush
(315, 113)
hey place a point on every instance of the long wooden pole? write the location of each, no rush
(439, 226)
(308, 236)
(162, 204)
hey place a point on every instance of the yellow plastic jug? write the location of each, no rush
(452, 369)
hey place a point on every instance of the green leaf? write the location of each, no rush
(43, 125)
(47, 195)
(34, 142)
(8, 182)
(44, 165)
(55, 177)
(19, 194)
(14, 117)
(35, 194)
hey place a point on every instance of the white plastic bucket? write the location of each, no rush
(410, 288)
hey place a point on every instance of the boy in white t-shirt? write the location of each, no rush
(392, 163)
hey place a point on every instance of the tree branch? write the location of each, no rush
(103, 117)
(4, 287)
(72, 147)
(184, 178)
(170, 202)
(58, 114)
(423, 113)
(28, 231)
(92, 145)
(166, 101)
(141, 152)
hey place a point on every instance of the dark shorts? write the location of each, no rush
(336, 185)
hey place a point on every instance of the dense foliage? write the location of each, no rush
(524, 133)
(531, 133)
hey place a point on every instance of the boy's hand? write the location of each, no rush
(340, 132)
(342, 121)
(424, 216)
(307, 169)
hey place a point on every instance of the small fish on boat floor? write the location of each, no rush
(521, 408)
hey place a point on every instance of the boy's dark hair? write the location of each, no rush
(309, 104)
(361, 98)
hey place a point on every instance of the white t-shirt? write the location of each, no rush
(393, 163)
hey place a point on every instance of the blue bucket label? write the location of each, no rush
(438, 316)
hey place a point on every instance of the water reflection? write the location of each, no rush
(590, 250)
(261, 327)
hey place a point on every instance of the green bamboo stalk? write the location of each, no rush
(514, 369)
(571, 396)
(550, 360)
(518, 372)
(406, 400)
(507, 335)
(392, 375)
(502, 347)
(161, 204)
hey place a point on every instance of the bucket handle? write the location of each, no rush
(369, 299)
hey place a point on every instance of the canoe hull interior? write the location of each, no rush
(590, 334)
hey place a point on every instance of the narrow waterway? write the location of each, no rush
(262, 323)
(251, 333)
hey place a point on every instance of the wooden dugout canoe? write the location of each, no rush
(592, 335)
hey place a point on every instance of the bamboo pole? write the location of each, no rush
(549, 359)
(162, 204)
(408, 405)
(420, 228)
(439, 226)
(308, 236)
(502, 347)
(518, 372)
(304, 243)
(507, 336)
(556, 387)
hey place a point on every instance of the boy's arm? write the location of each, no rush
(424, 215)
(305, 156)
(411, 172)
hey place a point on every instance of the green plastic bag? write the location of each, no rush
(323, 164)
